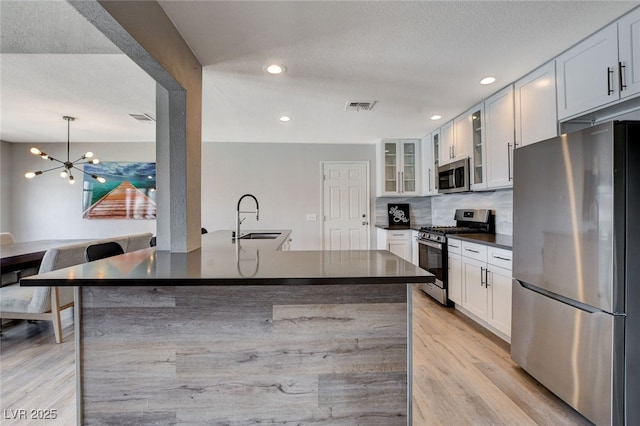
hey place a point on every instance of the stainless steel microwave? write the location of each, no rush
(454, 177)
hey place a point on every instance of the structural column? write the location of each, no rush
(143, 32)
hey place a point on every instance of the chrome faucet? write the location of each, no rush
(238, 211)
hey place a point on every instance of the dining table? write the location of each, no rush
(28, 254)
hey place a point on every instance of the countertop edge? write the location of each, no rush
(172, 282)
(502, 241)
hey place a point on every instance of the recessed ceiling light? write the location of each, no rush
(285, 118)
(436, 117)
(488, 80)
(275, 69)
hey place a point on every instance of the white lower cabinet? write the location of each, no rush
(397, 242)
(499, 298)
(480, 280)
(455, 278)
(474, 292)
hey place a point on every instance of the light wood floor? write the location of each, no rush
(36, 373)
(463, 375)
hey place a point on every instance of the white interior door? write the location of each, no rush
(345, 206)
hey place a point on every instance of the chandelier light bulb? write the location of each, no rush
(67, 165)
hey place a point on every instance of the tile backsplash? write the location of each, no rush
(444, 207)
(439, 210)
(419, 209)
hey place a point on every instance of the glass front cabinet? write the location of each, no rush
(478, 155)
(399, 167)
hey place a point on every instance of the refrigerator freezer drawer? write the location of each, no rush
(568, 350)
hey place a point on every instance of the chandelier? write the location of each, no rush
(66, 165)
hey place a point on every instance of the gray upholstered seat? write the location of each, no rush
(138, 241)
(6, 238)
(45, 303)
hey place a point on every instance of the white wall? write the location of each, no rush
(47, 207)
(285, 178)
(5, 186)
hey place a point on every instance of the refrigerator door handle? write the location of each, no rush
(563, 299)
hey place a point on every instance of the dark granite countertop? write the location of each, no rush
(496, 240)
(221, 262)
(394, 228)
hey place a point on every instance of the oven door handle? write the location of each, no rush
(430, 244)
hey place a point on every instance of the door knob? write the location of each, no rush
(365, 223)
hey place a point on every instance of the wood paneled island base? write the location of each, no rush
(239, 355)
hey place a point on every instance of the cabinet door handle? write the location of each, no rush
(472, 251)
(398, 185)
(501, 258)
(429, 180)
(509, 161)
(482, 283)
(620, 76)
(402, 182)
(609, 73)
(486, 277)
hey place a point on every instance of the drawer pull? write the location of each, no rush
(454, 246)
(501, 258)
(472, 251)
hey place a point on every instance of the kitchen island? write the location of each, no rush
(246, 334)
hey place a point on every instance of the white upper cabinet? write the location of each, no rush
(455, 140)
(447, 144)
(499, 138)
(430, 151)
(399, 167)
(535, 106)
(587, 74)
(629, 54)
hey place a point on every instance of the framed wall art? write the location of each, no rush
(129, 191)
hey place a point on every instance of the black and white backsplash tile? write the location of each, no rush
(441, 209)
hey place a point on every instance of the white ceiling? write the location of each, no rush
(415, 58)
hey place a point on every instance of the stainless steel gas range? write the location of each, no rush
(432, 246)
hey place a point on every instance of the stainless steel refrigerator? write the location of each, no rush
(576, 269)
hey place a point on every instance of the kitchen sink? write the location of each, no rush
(261, 236)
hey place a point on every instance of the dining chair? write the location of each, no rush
(6, 238)
(44, 303)
(138, 241)
(102, 250)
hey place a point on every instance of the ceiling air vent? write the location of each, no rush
(360, 105)
(143, 117)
